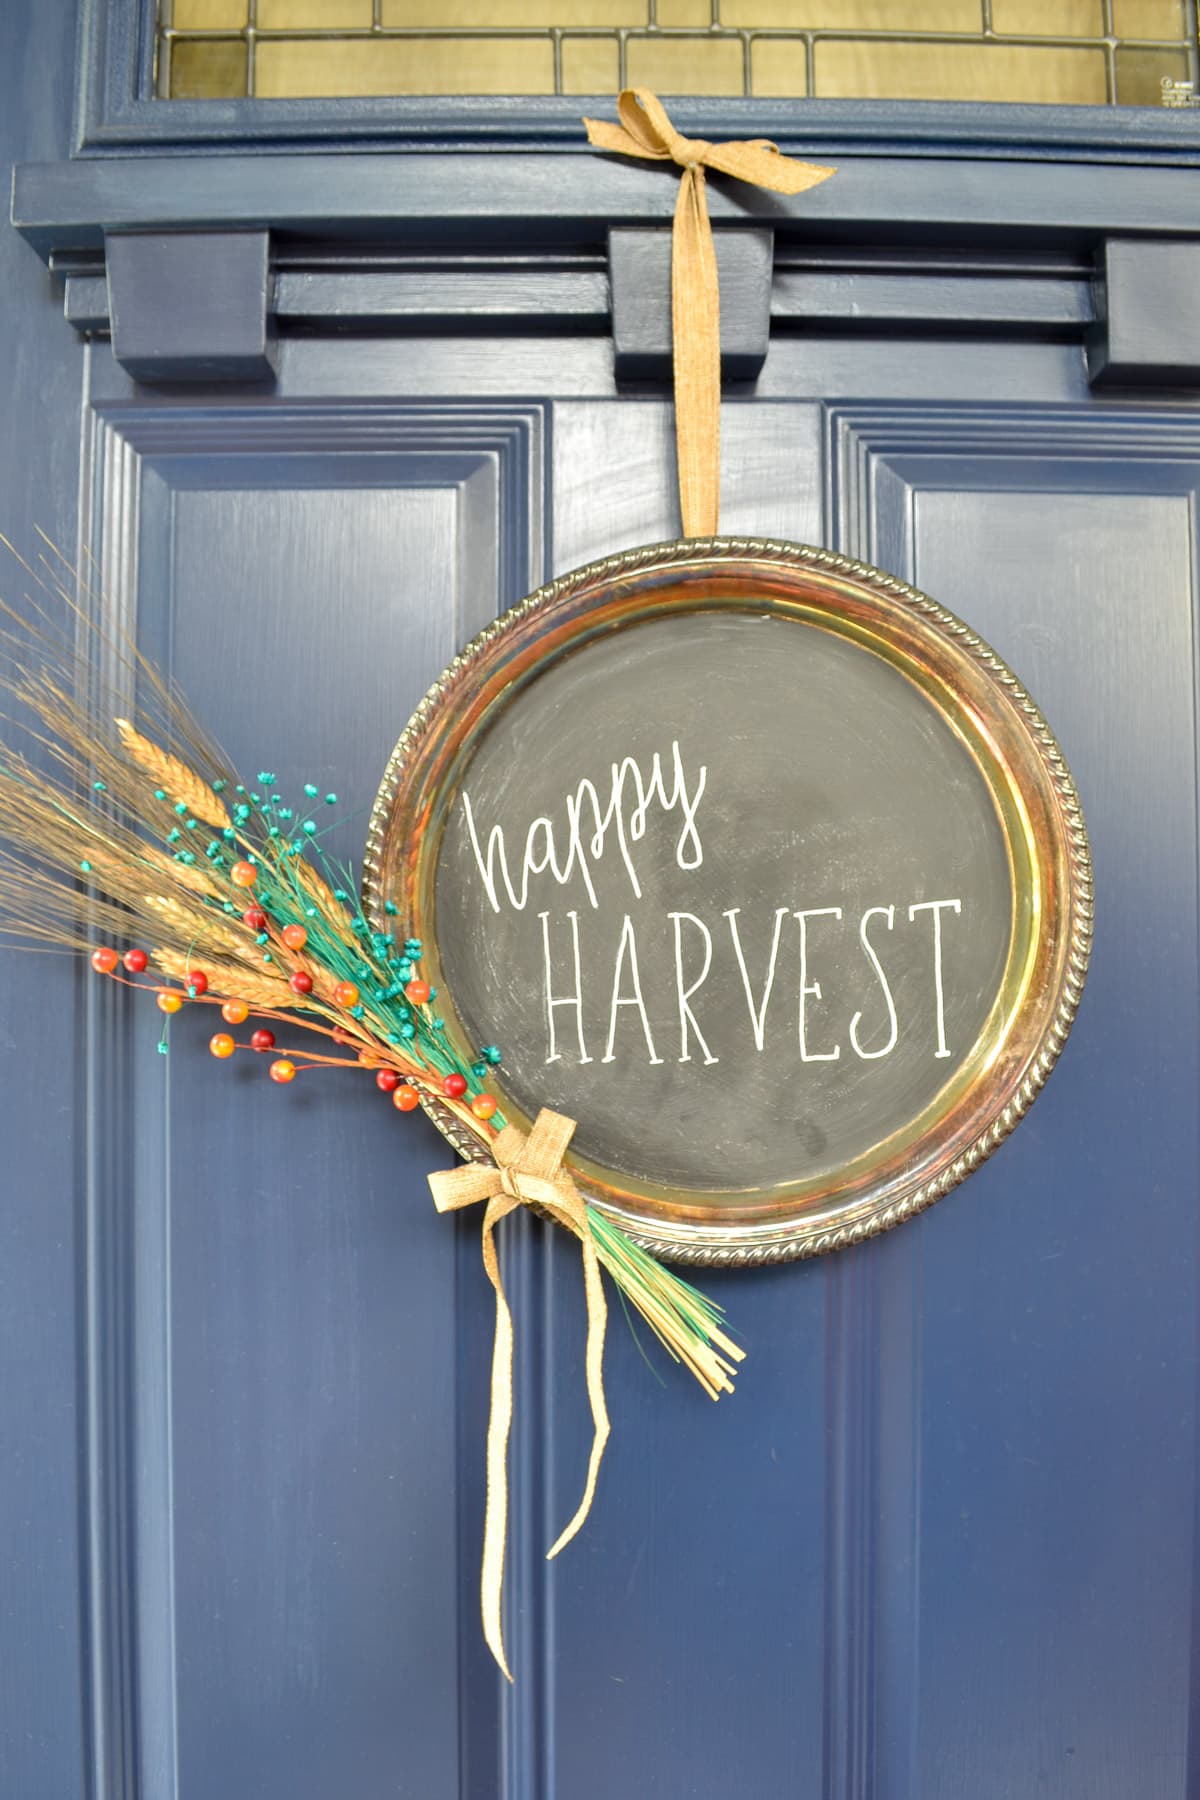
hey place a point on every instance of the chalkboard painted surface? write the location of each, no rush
(760, 868)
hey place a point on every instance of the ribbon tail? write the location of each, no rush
(495, 1528)
(604, 135)
(597, 1320)
(696, 335)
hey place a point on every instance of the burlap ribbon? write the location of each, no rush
(529, 1172)
(645, 130)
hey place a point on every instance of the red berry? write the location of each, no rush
(243, 874)
(294, 936)
(300, 983)
(454, 1086)
(222, 1044)
(282, 1070)
(262, 1040)
(104, 961)
(417, 992)
(255, 918)
(405, 1098)
(388, 1080)
(197, 982)
(135, 961)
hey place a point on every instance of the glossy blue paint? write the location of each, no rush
(1148, 329)
(942, 1542)
(639, 266)
(190, 305)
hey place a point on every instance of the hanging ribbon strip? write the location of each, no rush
(529, 1172)
(645, 130)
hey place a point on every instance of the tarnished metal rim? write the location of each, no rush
(746, 1244)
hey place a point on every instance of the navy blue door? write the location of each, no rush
(941, 1542)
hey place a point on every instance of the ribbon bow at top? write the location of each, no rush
(528, 1172)
(646, 131)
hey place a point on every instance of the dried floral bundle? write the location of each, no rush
(126, 834)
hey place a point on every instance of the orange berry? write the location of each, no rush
(417, 992)
(243, 874)
(406, 1098)
(169, 1001)
(483, 1106)
(222, 1044)
(294, 936)
(346, 994)
(283, 1070)
(235, 1012)
(104, 961)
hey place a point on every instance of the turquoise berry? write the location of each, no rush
(331, 799)
(180, 808)
(356, 1012)
(309, 828)
(219, 786)
(160, 793)
(86, 867)
(408, 1031)
(310, 790)
(100, 787)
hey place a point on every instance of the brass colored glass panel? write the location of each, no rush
(1039, 51)
(490, 15)
(210, 15)
(855, 15)
(314, 15)
(590, 65)
(423, 65)
(1141, 73)
(1150, 19)
(675, 65)
(208, 68)
(778, 68)
(687, 14)
(865, 69)
(1048, 18)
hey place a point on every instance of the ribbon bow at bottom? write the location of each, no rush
(529, 1172)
